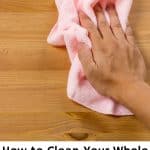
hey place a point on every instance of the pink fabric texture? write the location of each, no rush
(68, 32)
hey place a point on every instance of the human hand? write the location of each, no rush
(115, 60)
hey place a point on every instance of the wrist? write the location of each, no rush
(125, 87)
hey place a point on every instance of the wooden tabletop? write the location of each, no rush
(33, 76)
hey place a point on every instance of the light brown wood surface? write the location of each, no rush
(33, 76)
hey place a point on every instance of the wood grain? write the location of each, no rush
(33, 77)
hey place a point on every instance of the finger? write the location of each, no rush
(85, 57)
(115, 23)
(129, 34)
(102, 22)
(93, 33)
(92, 29)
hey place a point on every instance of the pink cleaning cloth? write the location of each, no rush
(68, 32)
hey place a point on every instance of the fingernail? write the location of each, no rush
(110, 6)
(98, 7)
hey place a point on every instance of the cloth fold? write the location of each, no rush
(68, 32)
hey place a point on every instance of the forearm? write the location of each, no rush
(136, 96)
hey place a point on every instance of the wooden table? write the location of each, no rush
(33, 76)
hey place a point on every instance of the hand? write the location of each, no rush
(115, 60)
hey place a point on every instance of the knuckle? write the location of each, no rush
(114, 45)
(116, 24)
(125, 46)
(90, 26)
(129, 31)
(103, 23)
(137, 54)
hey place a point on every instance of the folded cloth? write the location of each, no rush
(68, 32)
